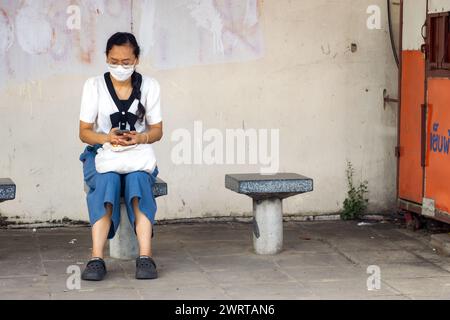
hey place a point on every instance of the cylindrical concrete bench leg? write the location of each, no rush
(268, 226)
(124, 245)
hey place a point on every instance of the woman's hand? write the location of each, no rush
(133, 137)
(115, 139)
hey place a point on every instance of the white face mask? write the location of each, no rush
(121, 73)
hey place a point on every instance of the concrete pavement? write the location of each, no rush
(320, 260)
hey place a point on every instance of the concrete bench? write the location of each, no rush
(268, 192)
(124, 245)
(7, 189)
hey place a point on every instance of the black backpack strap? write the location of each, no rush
(120, 119)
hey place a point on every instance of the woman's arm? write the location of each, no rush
(153, 134)
(87, 135)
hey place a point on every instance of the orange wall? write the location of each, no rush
(410, 170)
(437, 180)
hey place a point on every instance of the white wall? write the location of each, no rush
(414, 17)
(326, 100)
(436, 6)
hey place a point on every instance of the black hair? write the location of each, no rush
(123, 39)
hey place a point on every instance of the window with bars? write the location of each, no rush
(438, 44)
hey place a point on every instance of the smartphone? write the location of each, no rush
(121, 132)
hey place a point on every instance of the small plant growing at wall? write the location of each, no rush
(355, 204)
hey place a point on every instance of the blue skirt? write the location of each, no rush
(110, 186)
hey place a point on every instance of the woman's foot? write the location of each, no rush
(95, 270)
(145, 268)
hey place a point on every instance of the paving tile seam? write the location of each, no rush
(97, 289)
(424, 239)
(216, 255)
(64, 260)
(428, 261)
(23, 276)
(280, 268)
(335, 248)
(211, 281)
(408, 234)
(298, 284)
(38, 242)
(246, 282)
(414, 297)
(129, 278)
(412, 292)
(379, 261)
(215, 240)
(398, 291)
(389, 278)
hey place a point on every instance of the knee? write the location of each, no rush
(136, 175)
(135, 203)
(110, 177)
(109, 209)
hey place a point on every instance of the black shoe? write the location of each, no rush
(95, 270)
(146, 268)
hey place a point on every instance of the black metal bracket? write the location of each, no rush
(255, 228)
(387, 99)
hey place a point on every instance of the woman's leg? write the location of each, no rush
(103, 200)
(104, 209)
(141, 207)
(143, 230)
(100, 231)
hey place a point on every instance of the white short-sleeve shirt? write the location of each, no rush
(97, 104)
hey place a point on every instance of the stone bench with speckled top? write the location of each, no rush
(268, 192)
(7, 189)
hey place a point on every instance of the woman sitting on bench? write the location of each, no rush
(122, 108)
